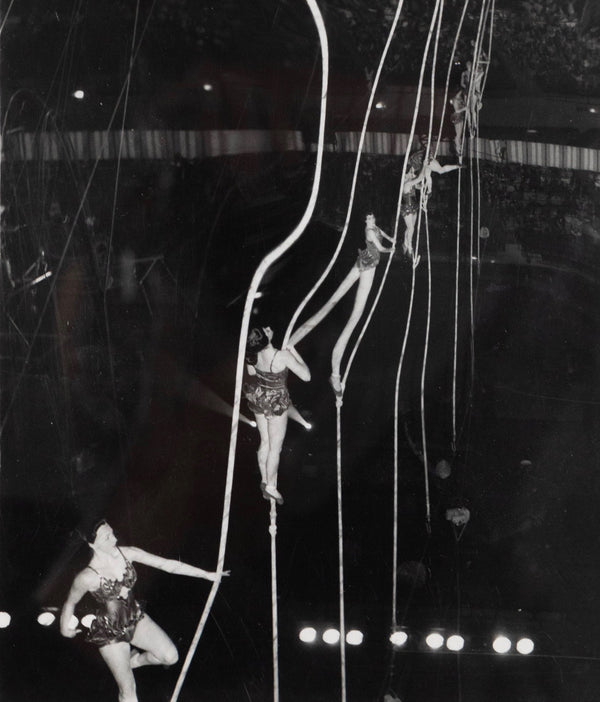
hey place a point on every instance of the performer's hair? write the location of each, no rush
(90, 535)
(257, 341)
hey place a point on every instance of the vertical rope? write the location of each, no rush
(361, 143)
(429, 295)
(69, 238)
(342, 605)
(456, 289)
(409, 316)
(264, 265)
(274, 614)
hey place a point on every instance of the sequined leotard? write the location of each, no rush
(118, 613)
(369, 256)
(267, 393)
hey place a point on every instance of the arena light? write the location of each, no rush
(455, 643)
(434, 640)
(308, 634)
(87, 620)
(398, 638)
(354, 637)
(331, 636)
(4, 620)
(525, 646)
(207, 87)
(46, 619)
(501, 644)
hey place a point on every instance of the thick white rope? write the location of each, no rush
(264, 265)
(359, 153)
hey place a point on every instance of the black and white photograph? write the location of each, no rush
(300, 350)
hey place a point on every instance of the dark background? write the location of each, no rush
(107, 377)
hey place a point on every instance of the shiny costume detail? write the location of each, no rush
(267, 393)
(119, 613)
(409, 204)
(369, 257)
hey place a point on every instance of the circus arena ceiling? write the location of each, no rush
(173, 173)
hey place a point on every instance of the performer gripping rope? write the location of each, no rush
(363, 271)
(126, 636)
(269, 400)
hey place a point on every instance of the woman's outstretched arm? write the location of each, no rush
(83, 582)
(169, 565)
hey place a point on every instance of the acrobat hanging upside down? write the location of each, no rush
(363, 271)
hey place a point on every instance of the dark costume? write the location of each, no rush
(267, 393)
(409, 204)
(119, 613)
(369, 257)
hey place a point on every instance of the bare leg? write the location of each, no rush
(310, 324)
(156, 647)
(117, 658)
(409, 221)
(262, 424)
(297, 417)
(277, 428)
(364, 287)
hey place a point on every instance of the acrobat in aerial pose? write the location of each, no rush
(363, 271)
(459, 105)
(475, 95)
(125, 635)
(409, 207)
(269, 400)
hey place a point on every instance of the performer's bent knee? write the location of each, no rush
(169, 656)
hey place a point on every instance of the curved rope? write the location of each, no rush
(59, 265)
(264, 265)
(361, 143)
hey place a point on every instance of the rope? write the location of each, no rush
(340, 522)
(274, 614)
(429, 294)
(264, 265)
(408, 320)
(59, 265)
(361, 142)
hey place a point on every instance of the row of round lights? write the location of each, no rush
(455, 642)
(330, 636)
(47, 618)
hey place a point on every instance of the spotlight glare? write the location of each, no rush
(46, 619)
(331, 636)
(434, 640)
(399, 638)
(208, 87)
(87, 620)
(455, 642)
(501, 644)
(354, 637)
(308, 634)
(525, 646)
(4, 620)
(78, 94)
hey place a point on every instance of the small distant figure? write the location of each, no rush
(459, 105)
